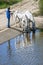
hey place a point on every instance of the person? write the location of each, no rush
(8, 16)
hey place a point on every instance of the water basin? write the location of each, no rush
(26, 49)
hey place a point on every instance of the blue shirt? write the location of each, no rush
(8, 14)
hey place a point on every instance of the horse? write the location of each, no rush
(24, 18)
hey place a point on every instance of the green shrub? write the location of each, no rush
(41, 6)
(6, 3)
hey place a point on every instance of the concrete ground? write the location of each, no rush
(8, 34)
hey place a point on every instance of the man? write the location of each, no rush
(8, 16)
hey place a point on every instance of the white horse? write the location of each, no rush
(19, 16)
(27, 18)
(24, 17)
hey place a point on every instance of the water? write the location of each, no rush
(26, 49)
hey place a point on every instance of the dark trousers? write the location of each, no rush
(9, 23)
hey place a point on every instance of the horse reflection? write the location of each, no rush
(33, 37)
(27, 39)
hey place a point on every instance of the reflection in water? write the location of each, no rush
(27, 39)
(9, 44)
(23, 50)
(33, 38)
(22, 41)
(18, 42)
(9, 51)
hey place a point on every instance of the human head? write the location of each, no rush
(8, 8)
